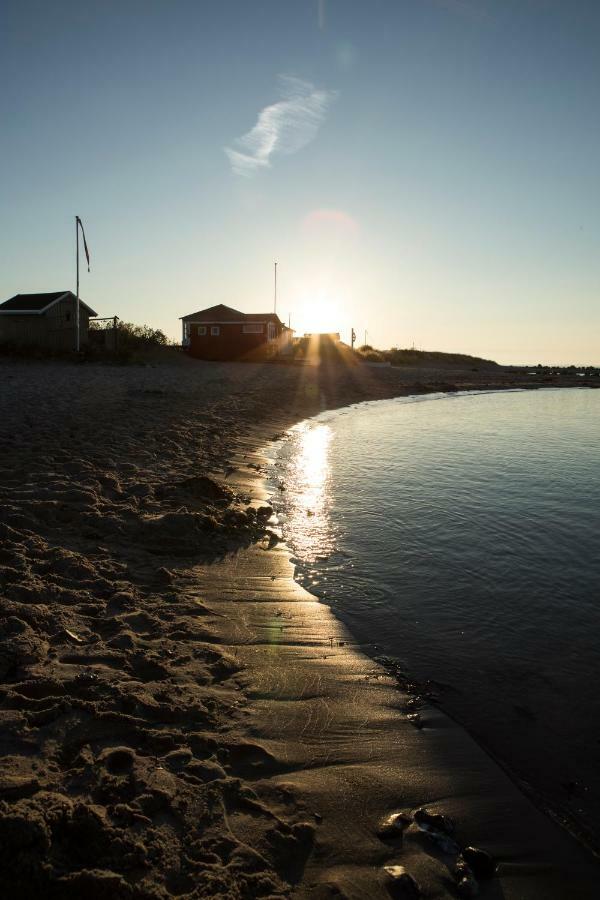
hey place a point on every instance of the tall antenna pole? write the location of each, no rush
(77, 288)
(275, 297)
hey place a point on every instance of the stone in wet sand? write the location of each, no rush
(481, 863)
(392, 826)
(402, 884)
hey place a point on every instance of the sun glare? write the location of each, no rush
(318, 314)
(308, 480)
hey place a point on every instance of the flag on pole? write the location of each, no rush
(85, 246)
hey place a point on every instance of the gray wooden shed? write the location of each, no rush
(44, 320)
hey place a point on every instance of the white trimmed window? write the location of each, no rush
(186, 330)
(201, 330)
(252, 328)
(271, 331)
(215, 330)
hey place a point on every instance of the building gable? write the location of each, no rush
(218, 313)
(38, 304)
(222, 315)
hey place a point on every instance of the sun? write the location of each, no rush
(318, 313)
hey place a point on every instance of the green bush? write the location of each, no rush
(139, 337)
(368, 354)
(131, 341)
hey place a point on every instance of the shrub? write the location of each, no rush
(368, 354)
(131, 341)
(138, 337)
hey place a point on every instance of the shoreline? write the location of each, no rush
(127, 754)
(351, 749)
(407, 681)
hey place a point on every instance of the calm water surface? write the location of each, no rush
(460, 534)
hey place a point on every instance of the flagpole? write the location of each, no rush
(275, 297)
(77, 294)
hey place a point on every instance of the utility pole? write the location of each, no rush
(365, 343)
(352, 338)
(275, 294)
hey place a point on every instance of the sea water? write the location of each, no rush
(460, 535)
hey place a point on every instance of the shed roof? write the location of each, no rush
(36, 304)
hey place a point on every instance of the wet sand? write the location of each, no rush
(178, 717)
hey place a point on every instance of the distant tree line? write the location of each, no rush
(541, 369)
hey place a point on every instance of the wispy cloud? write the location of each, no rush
(283, 127)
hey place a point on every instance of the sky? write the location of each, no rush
(425, 171)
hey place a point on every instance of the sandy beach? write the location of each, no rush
(179, 717)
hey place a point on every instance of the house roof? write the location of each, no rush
(263, 317)
(218, 313)
(36, 304)
(221, 313)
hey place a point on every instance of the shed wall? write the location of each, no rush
(54, 329)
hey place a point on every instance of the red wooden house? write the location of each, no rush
(221, 332)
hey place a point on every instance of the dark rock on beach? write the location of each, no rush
(431, 821)
(480, 862)
(401, 884)
(392, 826)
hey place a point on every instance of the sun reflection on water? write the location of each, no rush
(307, 479)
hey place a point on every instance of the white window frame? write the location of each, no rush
(253, 328)
(215, 330)
(271, 331)
(201, 330)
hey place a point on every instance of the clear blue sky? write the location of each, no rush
(428, 170)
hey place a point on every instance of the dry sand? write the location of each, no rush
(179, 718)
